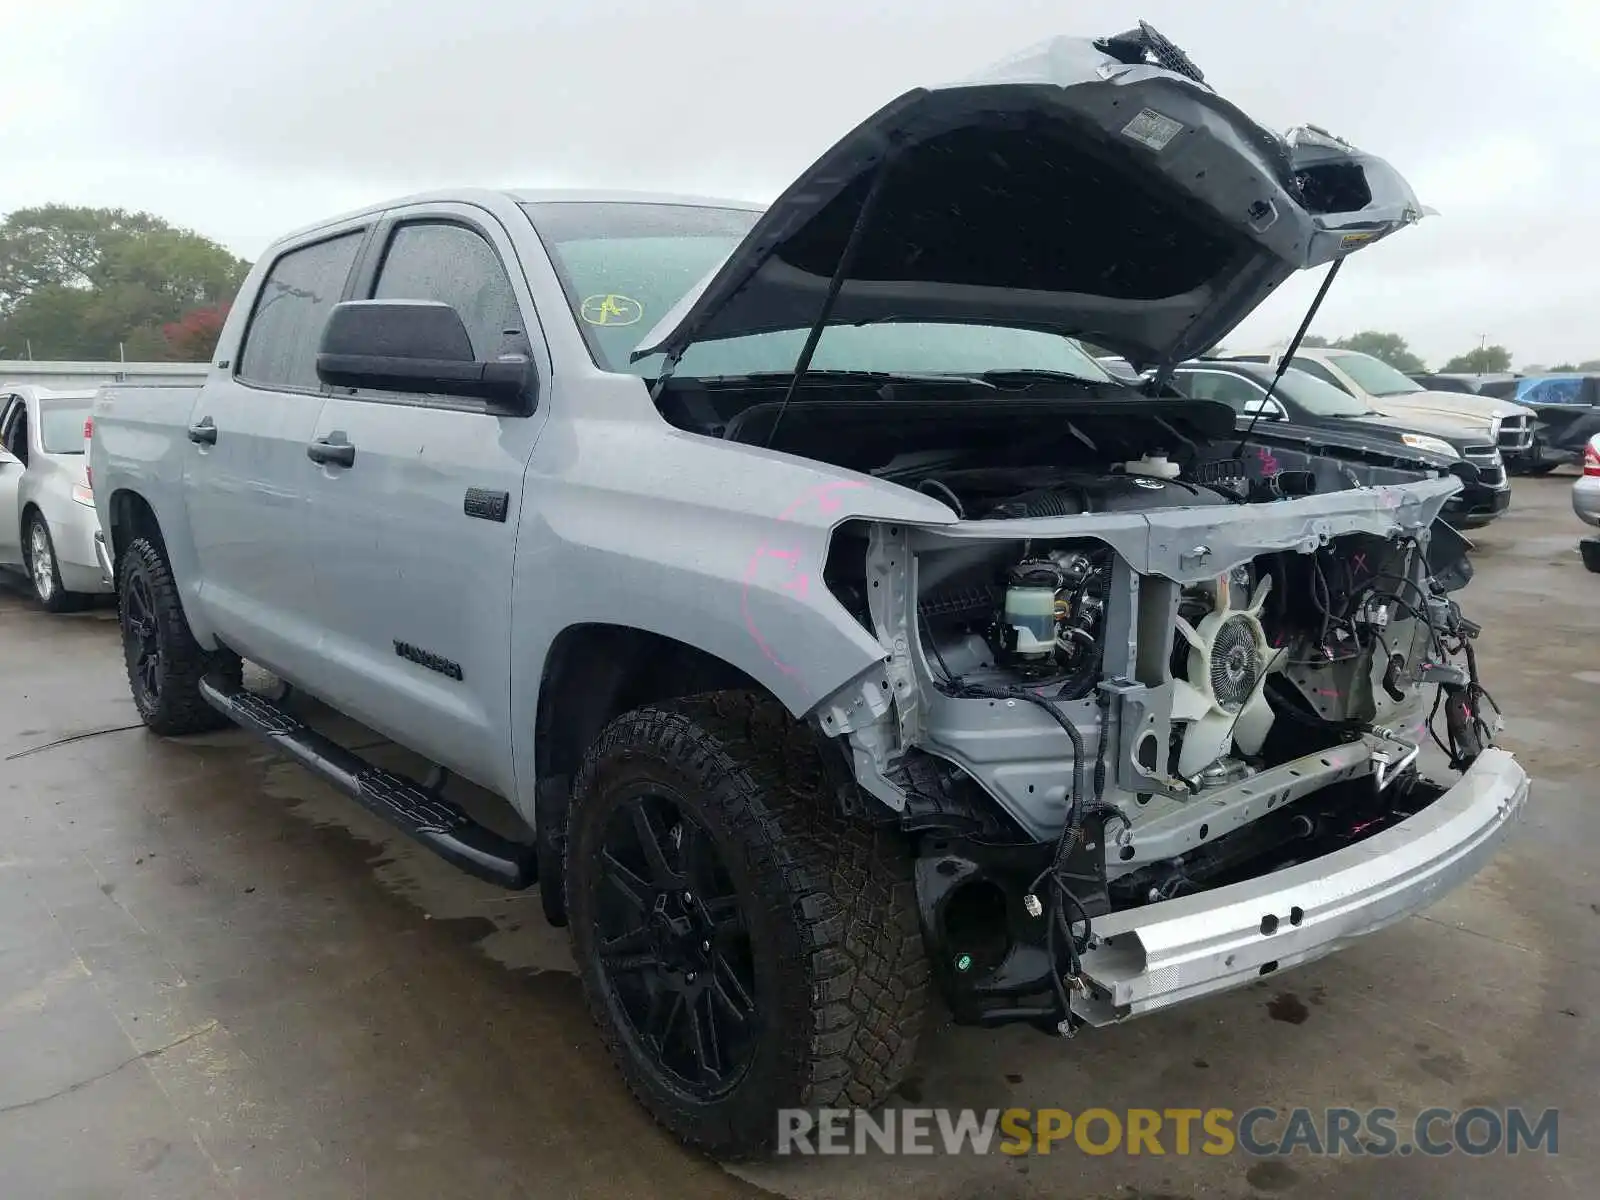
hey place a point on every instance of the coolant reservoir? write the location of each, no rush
(1157, 466)
(1031, 613)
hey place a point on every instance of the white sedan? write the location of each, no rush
(48, 525)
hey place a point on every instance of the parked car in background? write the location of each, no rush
(1394, 394)
(1444, 383)
(1586, 502)
(1303, 409)
(1566, 410)
(1118, 367)
(1498, 384)
(48, 525)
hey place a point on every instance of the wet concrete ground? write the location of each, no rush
(218, 978)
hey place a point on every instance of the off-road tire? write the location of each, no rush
(59, 600)
(841, 975)
(178, 708)
(1589, 548)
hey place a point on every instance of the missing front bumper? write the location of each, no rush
(1156, 956)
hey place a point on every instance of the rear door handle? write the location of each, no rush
(332, 453)
(205, 433)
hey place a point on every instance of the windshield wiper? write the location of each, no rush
(1022, 376)
(928, 377)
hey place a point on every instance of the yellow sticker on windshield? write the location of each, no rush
(612, 309)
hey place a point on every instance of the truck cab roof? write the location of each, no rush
(492, 198)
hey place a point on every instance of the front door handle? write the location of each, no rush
(205, 433)
(332, 453)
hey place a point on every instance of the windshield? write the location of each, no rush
(61, 426)
(623, 266)
(1374, 376)
(1318, 398)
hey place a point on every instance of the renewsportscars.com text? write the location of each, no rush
(1262, 1131)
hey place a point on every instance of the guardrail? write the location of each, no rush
(69, 375)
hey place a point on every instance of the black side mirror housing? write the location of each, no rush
(419, 347)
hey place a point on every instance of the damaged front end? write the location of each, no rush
(1153, 719)
(1153, 744)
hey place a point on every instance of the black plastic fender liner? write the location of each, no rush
(990, 954)
(421, 814)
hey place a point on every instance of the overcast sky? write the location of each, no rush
(243, 121)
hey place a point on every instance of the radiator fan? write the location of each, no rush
(1221, 703)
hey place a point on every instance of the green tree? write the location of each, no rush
(1485, 360)
(94, 283)
(1565, 367)
(1312, 342)
(1589, 364)
(1390, 347)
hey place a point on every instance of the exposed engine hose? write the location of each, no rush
(1075, 810)
(945, 493)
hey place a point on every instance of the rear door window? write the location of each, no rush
(443, 261)
(12, 427)
(1220, 386)
(280, 344)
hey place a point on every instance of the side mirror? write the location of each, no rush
(1269, 409)
(420, 347)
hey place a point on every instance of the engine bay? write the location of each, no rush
(1154, 654)
(1154, 686)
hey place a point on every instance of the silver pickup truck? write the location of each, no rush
(838, 634)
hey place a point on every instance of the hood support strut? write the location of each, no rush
(847, 258)
(1294, 344)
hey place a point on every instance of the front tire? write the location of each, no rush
(43, 569)
(743, 946)
(165, 663)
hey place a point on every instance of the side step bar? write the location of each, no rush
(413, 809)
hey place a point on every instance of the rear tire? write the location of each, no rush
(44, 572)
(165, 663)
(1590, 549)
(811, 914)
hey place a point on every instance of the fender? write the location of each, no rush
(713, 544)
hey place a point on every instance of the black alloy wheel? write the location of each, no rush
(142, 642)
(165, 664)
(744, 946)
(674, 949)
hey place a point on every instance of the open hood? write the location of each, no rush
(1447, 425)
(1079, 187)
(1460, 407)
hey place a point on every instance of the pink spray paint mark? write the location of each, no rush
(776, 567)
(1269, 461)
